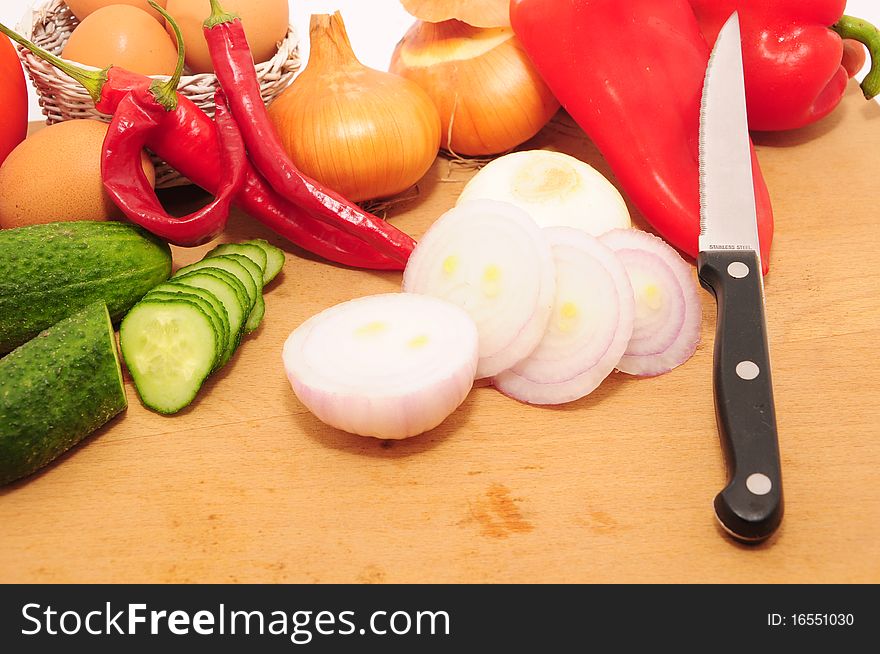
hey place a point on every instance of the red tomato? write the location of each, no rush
(13, 99)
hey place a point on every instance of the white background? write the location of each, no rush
(375, 26)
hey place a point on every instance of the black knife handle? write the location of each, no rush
(750, 507)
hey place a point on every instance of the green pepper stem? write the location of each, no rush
(166, 92)
(92, 80)
(862, 31)
(218, 16)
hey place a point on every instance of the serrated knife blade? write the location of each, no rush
(728, 217)
(729, 266)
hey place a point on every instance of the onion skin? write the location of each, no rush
(482, 83)
(479, 13)
(364, 133)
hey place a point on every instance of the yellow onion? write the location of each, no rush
(479, 13)
(489, 95)
(365, 133)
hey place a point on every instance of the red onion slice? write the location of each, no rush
(668, 307)
(590, 327)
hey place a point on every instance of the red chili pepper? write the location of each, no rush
(124, 179)
(792, 57)
(189, 143)
(630, 73)
(234, 67)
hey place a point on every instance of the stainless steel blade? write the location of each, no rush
(728, 219)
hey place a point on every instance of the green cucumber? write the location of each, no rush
(57, 389)
(255, 317)
(253, 252)
(206, 308)
(170, 348)
(248, 273)
(210, 298)
(221, 284)
(49, 272)
(233, 267)
(274, 259)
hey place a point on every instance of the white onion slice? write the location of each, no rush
(590, 327)
(492, 260)
(668, 307)
(389, 366)
(553, 188)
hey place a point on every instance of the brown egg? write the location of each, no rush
(124, 36)
(265, 24)
(54, 175)
(82, 8)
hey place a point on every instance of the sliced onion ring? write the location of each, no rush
(388, 366)
(668, 307)
(491, 259)
(591, 324)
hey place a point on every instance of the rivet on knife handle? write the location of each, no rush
(750, 507)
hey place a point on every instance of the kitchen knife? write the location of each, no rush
(729, 267)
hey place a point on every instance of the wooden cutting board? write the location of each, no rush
(247, 486)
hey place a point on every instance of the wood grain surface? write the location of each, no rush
(247, 486)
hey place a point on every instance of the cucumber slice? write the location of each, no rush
(222, 285)
(255, 317)
(218, 307)
(219, 326)
(232, 267)
(253, 252)
(274, 259)
(170, 349)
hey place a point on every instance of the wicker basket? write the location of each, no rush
(49, 24)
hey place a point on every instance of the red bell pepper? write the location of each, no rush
(630, 73)
(793, 55)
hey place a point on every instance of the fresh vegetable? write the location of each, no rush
(209, 305)
(491, 259)
(388, 366)
(364, 133)
(489, 95)
(479, 13)
(57, 389)
(591, 324)
(792, 58)
(48, 272)
(553, 188)
(124, 36)
(251, 282)
(189, 327)
(170, 347)
(255, 273)
(274, 259)
(82, 8)
(141, 113)
(630, 72)
(55, 175)
(13, 95)
(189, 143)
(668, 308)
(226, 288)
(854, 57)
(265, 23)
(856, 29)
(258, 255)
